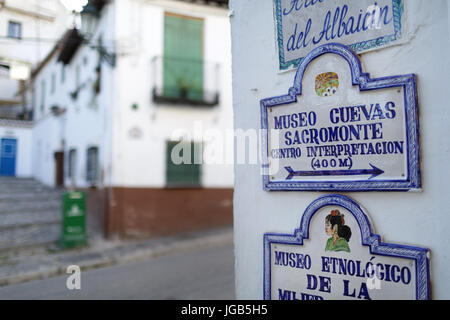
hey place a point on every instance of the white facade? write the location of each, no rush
(36, 26)
(131, 141)
(21, 131)
(141, 161)
(418, 219)
(29, 29)
(81, 122)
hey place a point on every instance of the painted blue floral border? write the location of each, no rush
(420, 256)
(408, 82)
(398, 10)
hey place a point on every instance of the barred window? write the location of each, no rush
(92, 165)
(14, 30)
(71, 170)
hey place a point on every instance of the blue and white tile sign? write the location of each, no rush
(303, 25)
(339, 129)
(336, 255)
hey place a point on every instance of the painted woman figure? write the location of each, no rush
(337, 230)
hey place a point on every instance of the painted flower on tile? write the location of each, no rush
(327, 84)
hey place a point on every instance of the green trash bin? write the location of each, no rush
(74, 220)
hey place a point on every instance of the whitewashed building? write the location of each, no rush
(28, 31)
(114, 99)
(269, 222)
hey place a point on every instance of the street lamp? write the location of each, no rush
(89, 20)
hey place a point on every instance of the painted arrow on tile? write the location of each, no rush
(374, 172)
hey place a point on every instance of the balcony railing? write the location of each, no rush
(184, 81)
(16, 112)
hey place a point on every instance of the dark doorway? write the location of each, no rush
(59, 169)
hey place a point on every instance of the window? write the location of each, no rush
(92, 165)
(14, 30)
(71, 170)
(183, 174)
(98, 69)
(53, 83)
(42, 95)
(63, 73)
(74, 94)
(183, 57)
(77, 77)
(33, 101)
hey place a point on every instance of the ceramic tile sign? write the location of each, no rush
(336, 255)
(303, 25)
(339, 129)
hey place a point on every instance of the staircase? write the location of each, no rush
(30, 214)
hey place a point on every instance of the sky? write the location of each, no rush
(76, 5)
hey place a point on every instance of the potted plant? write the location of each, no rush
(184, 88)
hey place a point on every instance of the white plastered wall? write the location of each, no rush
(140, 159)
(420, 219)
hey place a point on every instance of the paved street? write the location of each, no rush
(206, 273)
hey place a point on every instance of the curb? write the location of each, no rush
(115, 258)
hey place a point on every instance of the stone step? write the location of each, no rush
(30, 236)
(5, 184)
(25, 219)
(18, 181)
(22, 185)
(30, 206)
(31, 196)
(30, 214)
(19, 188)
(24, 192)
(14, 180)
